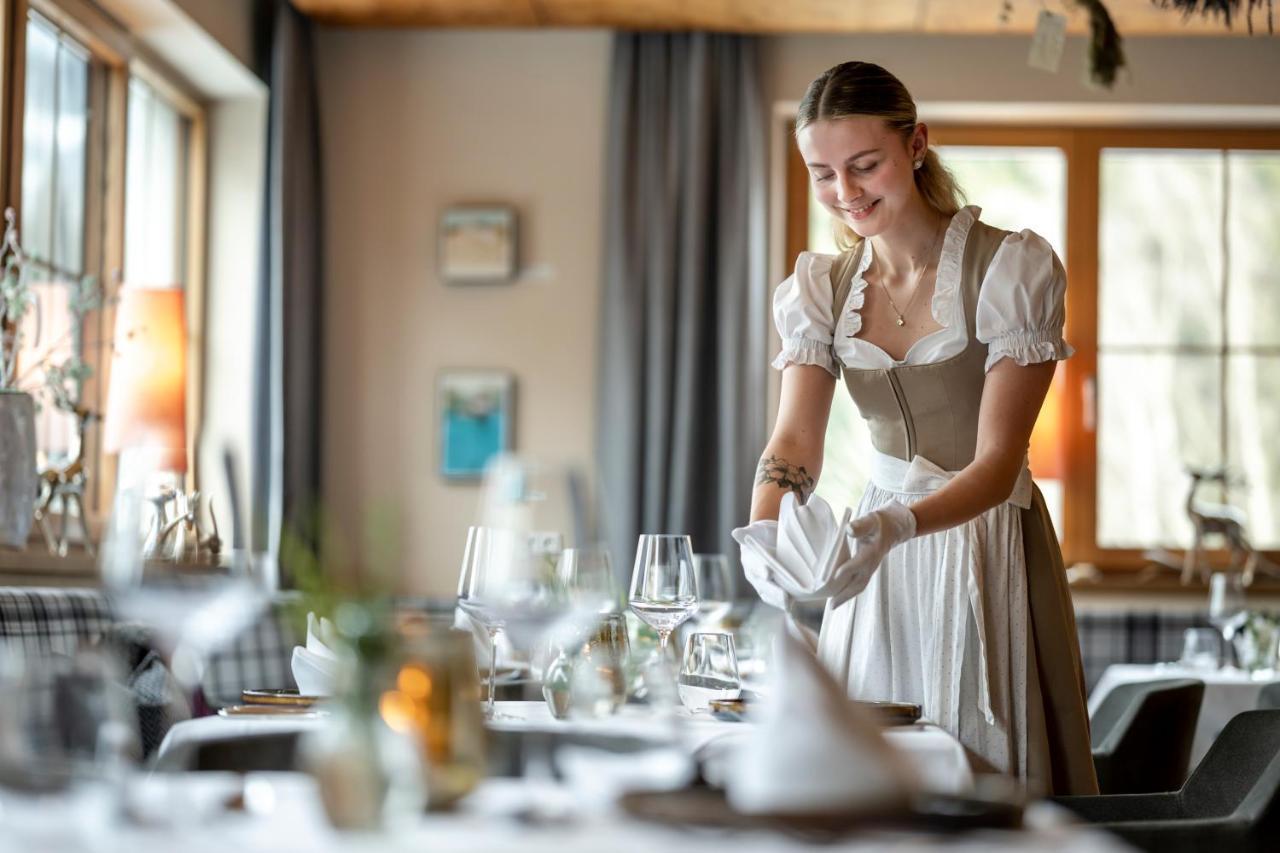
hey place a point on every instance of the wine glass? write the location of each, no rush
(709, 671)
(1226, 608)
(715, 588)
(664, 586)
(472, 588)
(587, 576)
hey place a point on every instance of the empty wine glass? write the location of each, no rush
(709, 671)
(664, 586)
(1226, 608)
(587, 576)
(715, 588)
(472, 587)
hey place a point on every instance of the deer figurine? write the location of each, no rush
(1211, 519)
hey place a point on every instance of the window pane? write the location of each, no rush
(155, 190)
(1253, 244)
(846, 457)
(1016, 188)
(1160, 258)
(1158, 414)
(72, 127)
(40, 115)
(1253, 388)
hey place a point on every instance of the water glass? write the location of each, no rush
(1200, 648)
(709, 671)
(664, 586)
(715, 588)
(473, 598)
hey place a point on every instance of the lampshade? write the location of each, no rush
(1047, 457)
(146, 398)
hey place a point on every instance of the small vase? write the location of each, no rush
(19, 482)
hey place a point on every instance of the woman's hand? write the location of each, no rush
(873, 536)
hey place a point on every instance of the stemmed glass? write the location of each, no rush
(472, 588)
(664, 585)
(1226, 608)
(715, 588)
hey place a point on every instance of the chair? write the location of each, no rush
(1142, 736)
(239, 753)
(1269, 698)
(1230, 803)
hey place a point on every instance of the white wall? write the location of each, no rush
(416, 120)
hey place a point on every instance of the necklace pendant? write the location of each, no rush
(901, 322)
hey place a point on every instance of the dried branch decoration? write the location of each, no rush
(1224, 9)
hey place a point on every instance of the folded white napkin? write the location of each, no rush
(813, 749)
(804, 551)
(315, 665)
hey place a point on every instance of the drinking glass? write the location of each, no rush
(472, 589)
(1226, 608)
(709, 671)
(715, 588)
(664, 586)
(1200, 647)
(587, 576)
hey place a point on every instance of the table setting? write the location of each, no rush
(646, 719)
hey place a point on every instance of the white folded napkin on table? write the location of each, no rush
(315, 665)
(813, 749)
(803, 552)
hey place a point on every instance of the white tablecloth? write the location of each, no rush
(937, 756)
(1226, 693)
(282, 814)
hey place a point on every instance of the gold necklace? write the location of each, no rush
(901, 321)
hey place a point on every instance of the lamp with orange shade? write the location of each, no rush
(146, 397)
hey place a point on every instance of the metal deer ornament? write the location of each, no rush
(1212, 519)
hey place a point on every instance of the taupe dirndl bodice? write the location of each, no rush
(928, 410)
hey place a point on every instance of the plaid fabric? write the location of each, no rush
(260, 658)
(1144, 636)
(40, 620)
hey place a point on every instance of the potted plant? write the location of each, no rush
(61, 381)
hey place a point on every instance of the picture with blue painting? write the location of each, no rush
(475, 420)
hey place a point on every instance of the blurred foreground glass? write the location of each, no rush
(588, 677)
(664, 585)
(63, 721)
(473, 582)
(193, 611)
(715, 588)
(535, 509)
(709, 671)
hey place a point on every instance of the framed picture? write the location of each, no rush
(476, 411)
(478, 244)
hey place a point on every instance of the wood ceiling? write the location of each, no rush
(957, 17)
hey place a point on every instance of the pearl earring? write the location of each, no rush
(917, 164)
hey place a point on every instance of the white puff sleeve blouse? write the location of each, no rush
(1021, 307)
(802, 313)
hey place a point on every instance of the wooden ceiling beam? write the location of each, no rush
(954, 17)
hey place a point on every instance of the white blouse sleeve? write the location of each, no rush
(1021, 306)
(802, 313)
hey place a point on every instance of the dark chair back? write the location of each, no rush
(1240, 774)
(1142, 735)
(1269, 698)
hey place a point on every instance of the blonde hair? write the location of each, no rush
(866, 89)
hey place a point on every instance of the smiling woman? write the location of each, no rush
(945, 331)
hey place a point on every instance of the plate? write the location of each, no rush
(936, 812)
(285, 697)
(291, 712)
(892, 713)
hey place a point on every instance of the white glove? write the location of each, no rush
(872, 537)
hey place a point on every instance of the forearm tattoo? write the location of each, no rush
(780, 472)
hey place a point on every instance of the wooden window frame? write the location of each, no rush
(1082, 147)
(115, 56)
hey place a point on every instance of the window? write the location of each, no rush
(1169, 239)
(109, 190)
(55, 153)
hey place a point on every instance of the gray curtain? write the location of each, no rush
(681, 419)
(286, 453)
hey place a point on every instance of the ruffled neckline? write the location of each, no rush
(945, 300)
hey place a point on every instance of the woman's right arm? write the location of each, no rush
(792, 460)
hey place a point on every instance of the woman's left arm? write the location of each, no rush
(1011, 400)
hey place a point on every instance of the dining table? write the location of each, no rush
(1227, 691)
